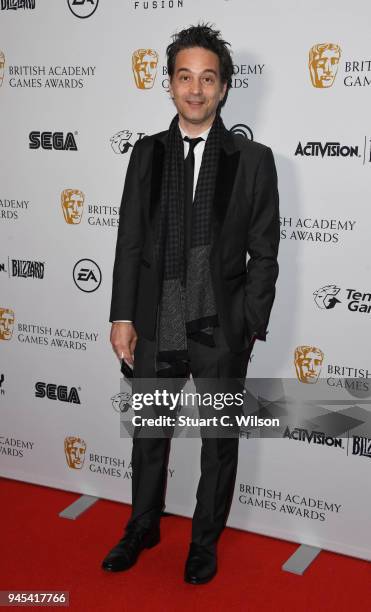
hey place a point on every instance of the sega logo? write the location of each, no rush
(57, 392)
(52, 140)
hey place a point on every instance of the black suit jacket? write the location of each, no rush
(245, 219)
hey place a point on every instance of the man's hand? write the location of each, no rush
(123, 340)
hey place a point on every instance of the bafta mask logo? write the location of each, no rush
(6, 323)
(2, 67)
(74, 449)
(72, 201)
(308, 363)
(323, 64)
(145, 67)
(326, 297)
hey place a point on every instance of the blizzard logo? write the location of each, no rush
(361, 446)
(8, 5)
(27, 269)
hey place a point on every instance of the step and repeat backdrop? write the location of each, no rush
(80, 82)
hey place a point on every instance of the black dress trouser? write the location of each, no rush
(219, 455)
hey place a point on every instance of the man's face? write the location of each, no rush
(324, 68)
(196, 85)
(73, 203)
(145, 71)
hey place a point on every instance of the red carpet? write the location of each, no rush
(40, 551)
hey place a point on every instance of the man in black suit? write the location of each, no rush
(197, 200)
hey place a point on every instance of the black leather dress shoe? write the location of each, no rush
(201, 565)
(125, 554)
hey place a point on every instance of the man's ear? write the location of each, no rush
(171, 90)
(222, 93)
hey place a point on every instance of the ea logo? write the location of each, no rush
(83, 8)
(242, 130)
(87, 275)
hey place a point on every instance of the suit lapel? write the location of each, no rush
(226, 174)
(229, 158)
(158, 156)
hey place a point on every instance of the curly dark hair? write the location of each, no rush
(204, 36)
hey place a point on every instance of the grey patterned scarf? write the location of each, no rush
(187, 305)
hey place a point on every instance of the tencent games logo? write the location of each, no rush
(325, 297)
(122, 402)
(323, 64)
(144, 64)
(120, 142)
(355, 301)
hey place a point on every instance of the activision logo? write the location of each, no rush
(317, 437)
(328, 149)
(335, 149)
